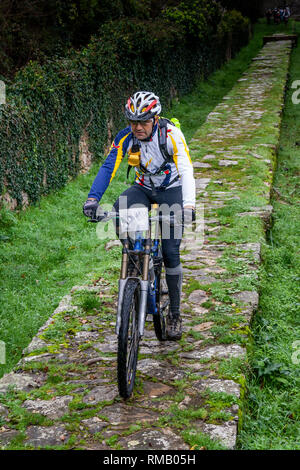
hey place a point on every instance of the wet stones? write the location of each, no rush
(208, 157)
(120, 414)
(3, 411)
(42, 436)
(215, 352)
(249, 300)
(203, 326)
(162, 439)
(54, 409)
(17, 381)
(216, 385)
(225, 434)
(203, 165)
(228, 162)
(263, 212)
(7, 435)
(198, 297)
(157, 389)
(101, 393)
(159, 370)
(36, 343)
(94, 424)
(201, 183)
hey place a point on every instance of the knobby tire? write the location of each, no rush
(159, 320)
(128, 339)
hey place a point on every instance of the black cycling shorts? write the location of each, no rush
(137, 194)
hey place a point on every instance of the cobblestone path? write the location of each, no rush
(189, 394)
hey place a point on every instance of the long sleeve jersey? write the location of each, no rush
(151, 158)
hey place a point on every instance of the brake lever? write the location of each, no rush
(99, 219)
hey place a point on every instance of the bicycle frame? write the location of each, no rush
(143, 246)
(146, 251)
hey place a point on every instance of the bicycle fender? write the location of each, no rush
(143, 305)
(122, 284)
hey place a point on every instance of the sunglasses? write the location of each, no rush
(143, 123)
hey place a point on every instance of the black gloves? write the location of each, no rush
(90, 208)
(186, 217)
(189, 215)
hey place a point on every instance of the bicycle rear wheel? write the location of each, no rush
(162, 303)
(128, 339)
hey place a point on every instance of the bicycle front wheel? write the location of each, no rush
(162, 304)
(128, 339)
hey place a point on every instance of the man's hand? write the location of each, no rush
(90, 208)
(186, 216)
(189, 215)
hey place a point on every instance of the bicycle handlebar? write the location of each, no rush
(106, 216)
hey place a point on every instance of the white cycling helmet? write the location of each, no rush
(143, 105)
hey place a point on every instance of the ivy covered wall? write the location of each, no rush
(55, 109)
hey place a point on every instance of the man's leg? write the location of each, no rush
(174, 276)
(132, 196)
(173, 267)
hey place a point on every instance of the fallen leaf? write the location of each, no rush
(203, 326)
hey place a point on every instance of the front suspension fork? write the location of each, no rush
(144, 283)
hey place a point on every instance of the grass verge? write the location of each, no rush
(271, 420)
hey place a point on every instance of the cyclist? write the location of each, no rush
(157, 181)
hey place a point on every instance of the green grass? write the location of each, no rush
(271, 419)
(200, 441)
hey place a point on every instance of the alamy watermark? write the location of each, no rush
(134, 219)
(295, 95)
(2, 92)
(2, 353)
(296, 353)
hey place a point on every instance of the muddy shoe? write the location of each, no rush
(174, 328)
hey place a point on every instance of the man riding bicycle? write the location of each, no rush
(164, 175)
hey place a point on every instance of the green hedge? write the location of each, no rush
(49, 106)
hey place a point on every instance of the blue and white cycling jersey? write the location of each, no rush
(152, 159)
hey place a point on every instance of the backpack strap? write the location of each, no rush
(162, 141)
(162, 138)
(135, 148)
(134, 151)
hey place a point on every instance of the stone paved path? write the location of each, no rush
(63, 392)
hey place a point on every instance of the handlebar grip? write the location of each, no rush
(99, 217)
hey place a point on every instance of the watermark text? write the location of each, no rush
(2, 353)
(2, 92)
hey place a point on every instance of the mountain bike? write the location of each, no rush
(142, 292)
